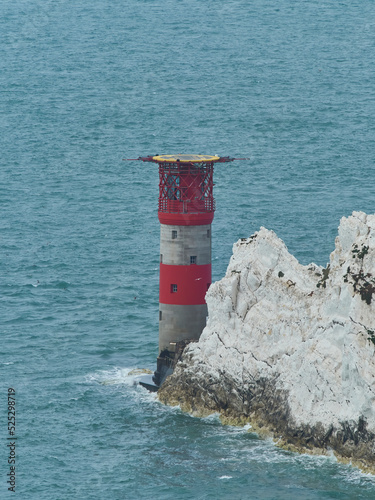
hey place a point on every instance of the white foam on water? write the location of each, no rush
(355, 476)
(213, 417)
(116, 376)
(127, 381)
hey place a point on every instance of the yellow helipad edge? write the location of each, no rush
(184, 158)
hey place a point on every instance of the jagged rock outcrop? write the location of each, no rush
(290, 348)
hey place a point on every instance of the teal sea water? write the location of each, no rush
(84, 84)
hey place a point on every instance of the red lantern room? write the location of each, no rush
(186, 189)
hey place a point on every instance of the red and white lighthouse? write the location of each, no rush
(186, 211)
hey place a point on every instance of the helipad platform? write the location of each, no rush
(184, 158)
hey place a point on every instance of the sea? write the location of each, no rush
(84, 84)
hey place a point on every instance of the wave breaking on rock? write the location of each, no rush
(290, 348)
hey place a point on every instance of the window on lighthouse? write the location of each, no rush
(193, 259)
(174, 234)
(173, 288)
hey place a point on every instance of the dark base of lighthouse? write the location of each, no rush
(165, 364)
(164, 367)
(148, 383)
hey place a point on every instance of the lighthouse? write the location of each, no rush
(185, 210)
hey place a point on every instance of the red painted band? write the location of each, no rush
(184, 285)
(186, 219)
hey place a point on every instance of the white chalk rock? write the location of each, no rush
(291, 346)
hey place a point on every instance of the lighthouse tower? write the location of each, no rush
(186, 211)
